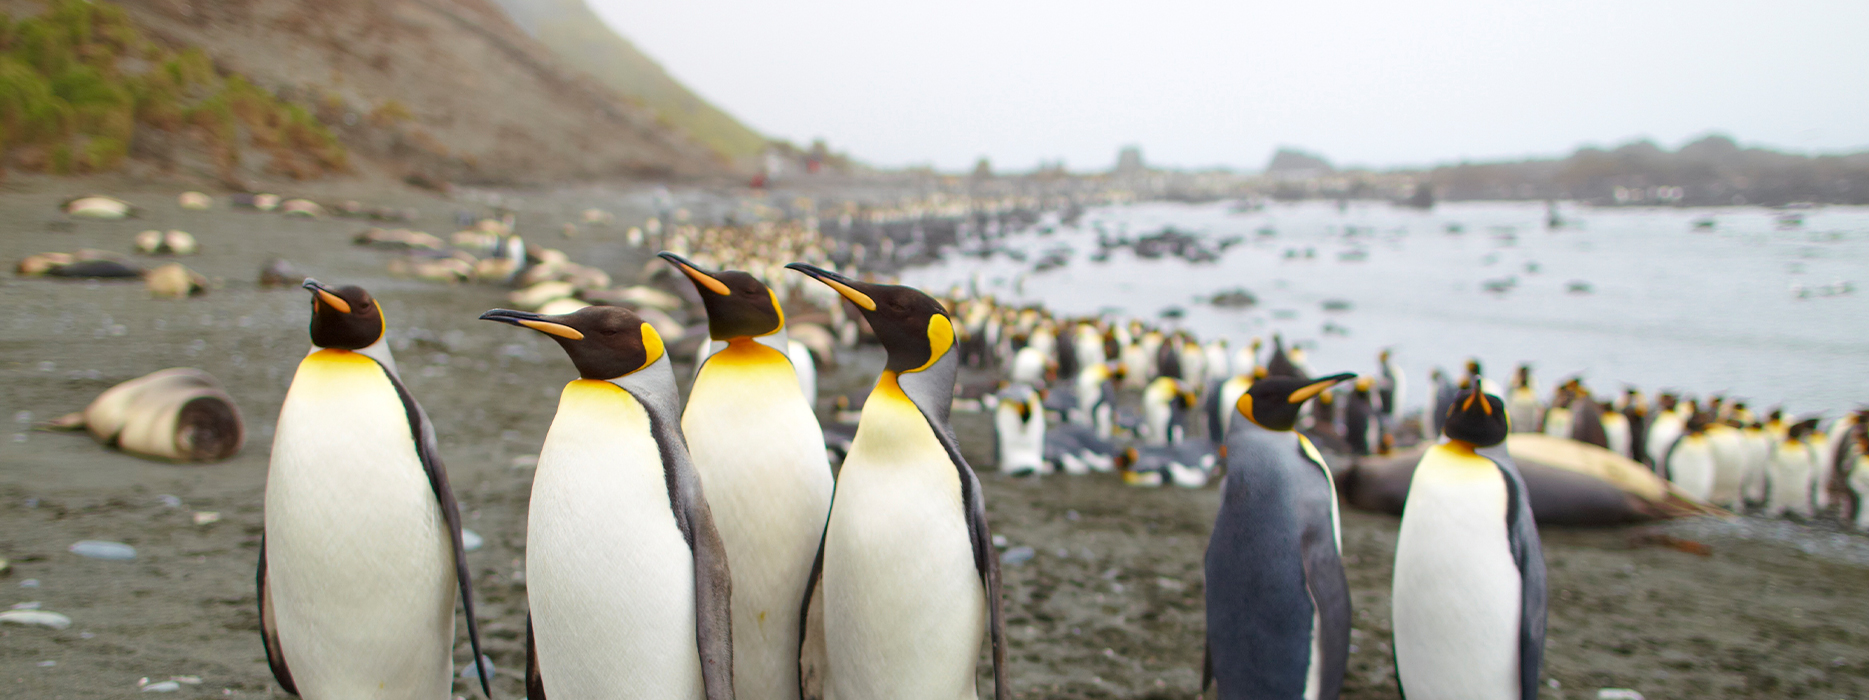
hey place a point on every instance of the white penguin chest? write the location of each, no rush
(760, 454)
(354, 532)
(1457, 590)
(904, 606)
(610, 579)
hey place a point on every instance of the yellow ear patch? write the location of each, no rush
(940, 339)
(1244, 405)
(855, 297)
(777, 308)
(334, 301)
(651, 345)
(557, 329)
(712, 285)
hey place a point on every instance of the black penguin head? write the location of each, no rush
(1473, 367)
(914, 329)
(738, 306)
(1477, 418)
(344, 318)
(1272, 403)
(604, 342)
(1524, 377)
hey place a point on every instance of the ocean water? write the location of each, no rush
(1619, 297)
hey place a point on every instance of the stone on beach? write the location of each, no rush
(102, 549)
(35, 618)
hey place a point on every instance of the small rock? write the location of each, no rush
(1617, 694)
(524, 461)
(170, 501)
(1017, 556)
(486, 662)
(204, 517)
(1072, 515)
(6, 567)
(471, 540)
(99, 549)
(38, 618)
(29, 583)
(162, 687)
(999, 541)
(47, 663)
(1169, 584)
(28, 605)
(186, 680)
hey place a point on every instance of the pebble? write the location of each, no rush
(471, 540)
(40, 618)
(100, 549)
(29, 583)
(1617, 694)
(204, 517)
(999, 541)
(1017, 555)
(170, 500)
(47, 663)
(28, 605)
(6, 567)
(162, 687)
(468, 671)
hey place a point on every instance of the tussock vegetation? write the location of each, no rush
(79, 85)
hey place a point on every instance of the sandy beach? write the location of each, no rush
(1110, 606)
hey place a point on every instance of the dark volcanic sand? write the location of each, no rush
(1110, 607)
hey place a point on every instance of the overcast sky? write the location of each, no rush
(1376, 83)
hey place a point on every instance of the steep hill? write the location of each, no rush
(445, 89)
(583, 41)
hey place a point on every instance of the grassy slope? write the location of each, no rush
(582, 40)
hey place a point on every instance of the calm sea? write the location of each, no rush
(1653, 298)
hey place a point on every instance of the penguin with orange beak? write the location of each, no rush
(908, 582)
(1278, 602)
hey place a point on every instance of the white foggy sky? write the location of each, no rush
(1375, 83)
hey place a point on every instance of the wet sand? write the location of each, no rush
(1111, 606)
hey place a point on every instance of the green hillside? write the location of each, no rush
(584, 42)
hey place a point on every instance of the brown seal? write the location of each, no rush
(1569, 483)
(180, 414)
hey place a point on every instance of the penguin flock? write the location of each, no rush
(708, 551)
(1714, 449)
(671, 552)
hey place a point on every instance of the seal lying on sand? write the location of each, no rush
(1570, 483)
(180, 414)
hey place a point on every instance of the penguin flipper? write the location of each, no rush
(1330, 597)
(985, 560)
(713, 585)
(426, 448)
(1528, 552)
(535, 683)
(814, 665)
(269, 630)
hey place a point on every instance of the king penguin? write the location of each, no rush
(360, 524)
(1278, 604)
(908, 580)
(626, 576)
(760, 452)
(1469, 596)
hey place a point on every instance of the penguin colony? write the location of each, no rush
(710, 550)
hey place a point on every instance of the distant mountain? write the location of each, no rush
(584, 42)
(1293, 162)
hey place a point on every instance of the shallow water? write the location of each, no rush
(1668, 306)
